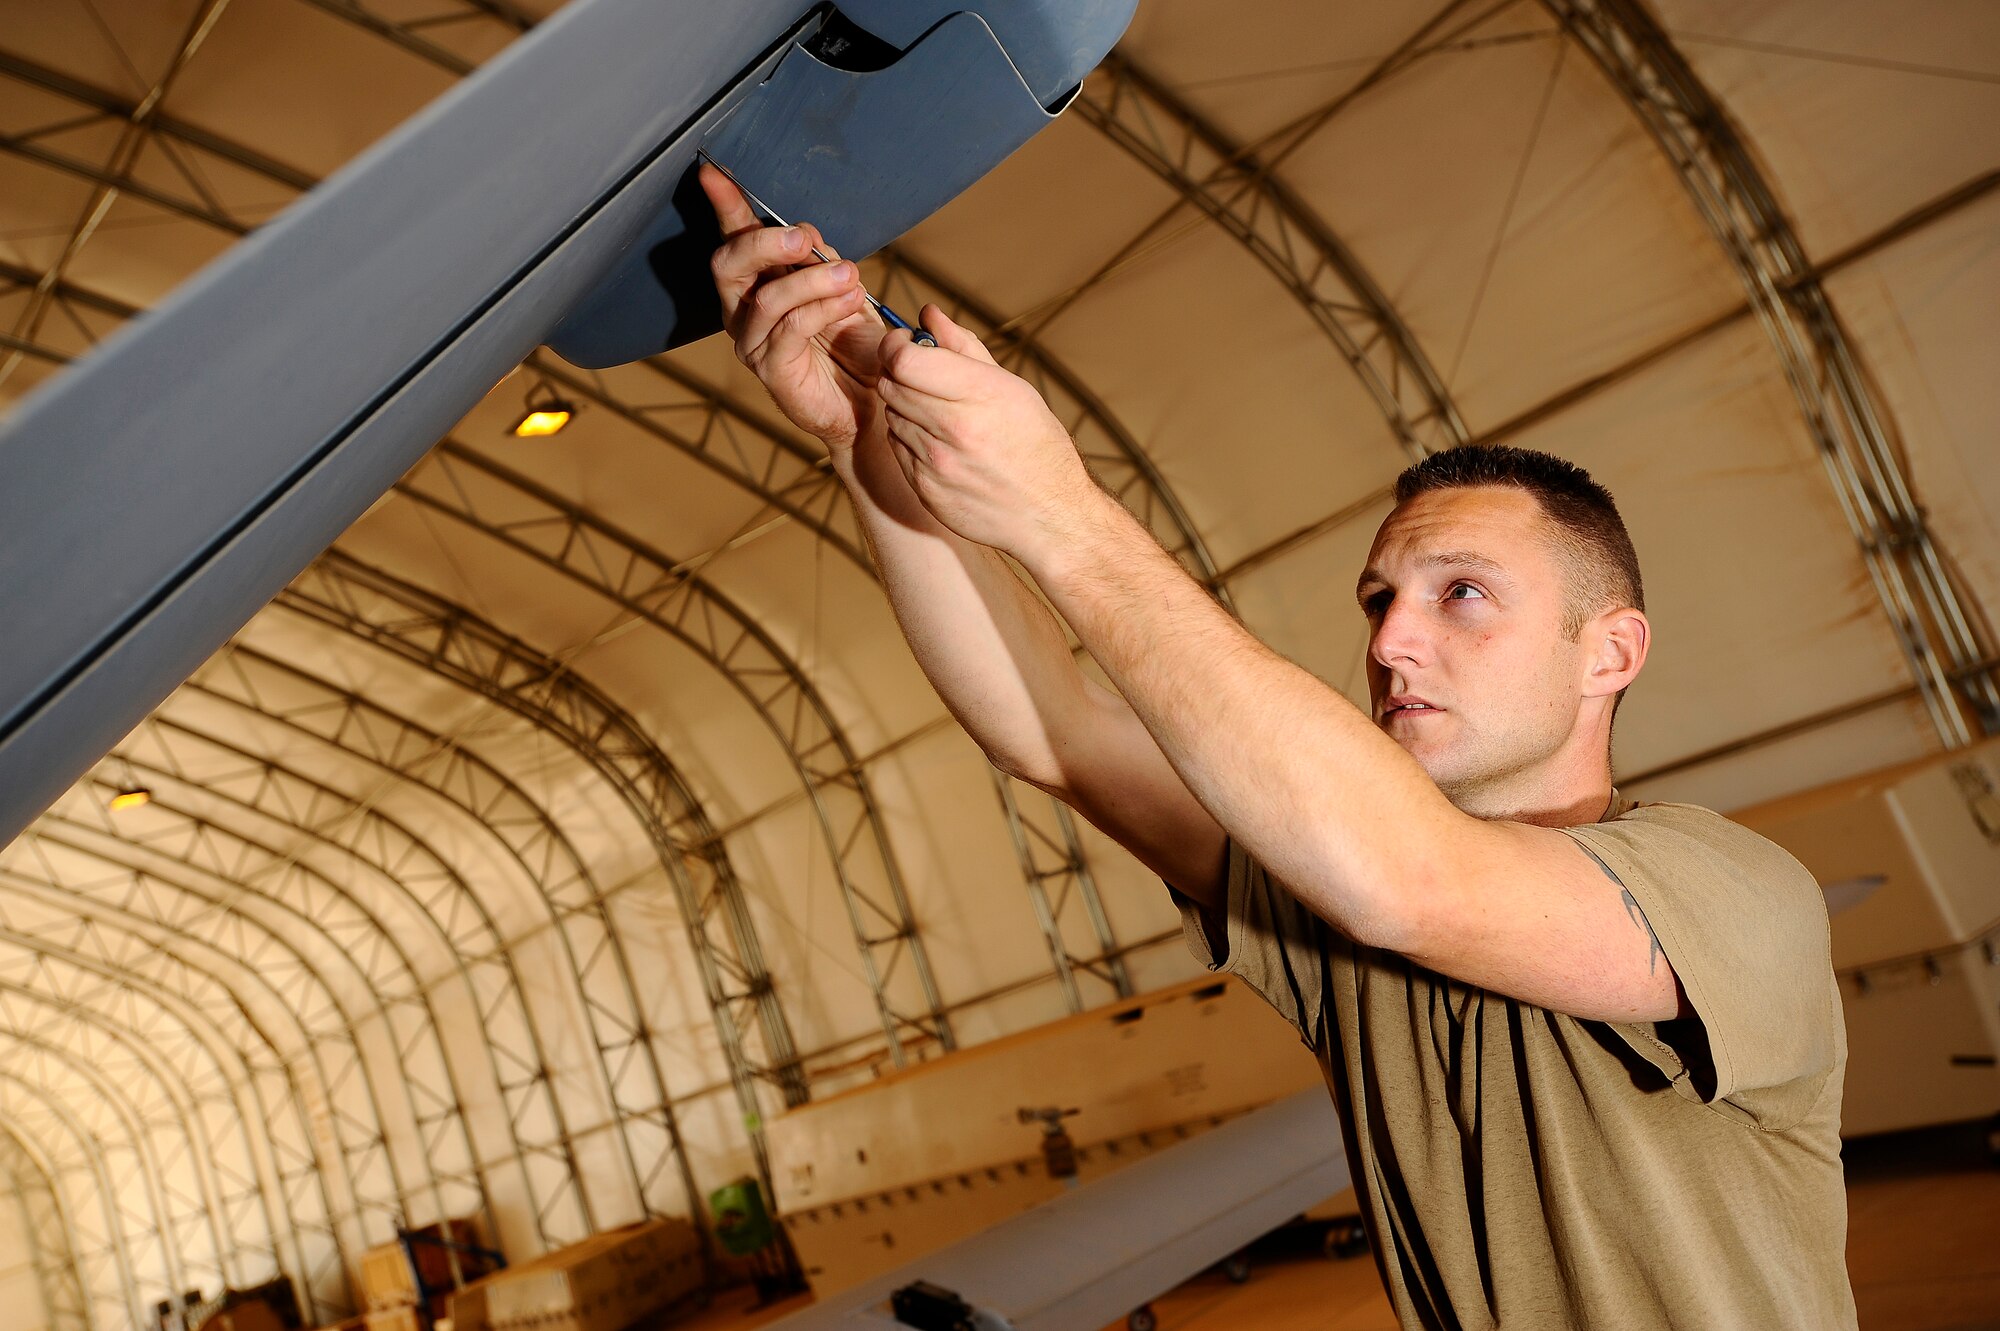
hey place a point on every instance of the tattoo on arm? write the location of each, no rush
(1637, 916)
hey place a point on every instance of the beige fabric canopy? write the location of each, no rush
(406, 929)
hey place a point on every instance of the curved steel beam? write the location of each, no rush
(1240, 192)
(1851, 430)
(206, 1112)
(391, 743)
(217, 1020)
(461, 922)
(156, 1033)
(130, 1172)
(660, 591)
(299, 914)
(48, 1231)
(449, 640)
(104, 1262)
(133, 901)
(317, 813)
(100, 1049)
(788, 476)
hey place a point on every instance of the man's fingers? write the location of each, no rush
(952, 337)
(765, 307)
(732, 210)
(939, 372)
(912, 435)
(911, 447)
(799, 326)
(910, 404)
(752, 256)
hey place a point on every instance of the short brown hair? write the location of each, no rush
(1596, 550)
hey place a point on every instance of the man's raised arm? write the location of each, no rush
(996, 655)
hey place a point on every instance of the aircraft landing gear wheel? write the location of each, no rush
(1142, 1319)
(1237, 1268)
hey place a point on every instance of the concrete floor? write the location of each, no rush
(1923, 1252)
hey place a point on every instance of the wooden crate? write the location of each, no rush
(605, 1283)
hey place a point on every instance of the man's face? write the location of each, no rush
(1469, 666)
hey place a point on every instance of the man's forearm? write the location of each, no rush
(1293, 771)
(994, 653)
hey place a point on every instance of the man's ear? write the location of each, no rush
(1619, 640)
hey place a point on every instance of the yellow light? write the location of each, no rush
(541, 422)
(130, 799)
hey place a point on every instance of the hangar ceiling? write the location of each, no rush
(582, 808)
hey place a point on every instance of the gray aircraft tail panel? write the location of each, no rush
(154, 496)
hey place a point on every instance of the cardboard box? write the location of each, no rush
(468, 1306)
(394, 1319)
(386, 1279)
(604, 1283)
(244, 1317)
(388, 1282)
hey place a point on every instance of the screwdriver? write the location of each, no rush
(921, 336)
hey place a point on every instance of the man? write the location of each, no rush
(1588, 1056)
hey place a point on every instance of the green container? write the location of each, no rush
(742, 1221)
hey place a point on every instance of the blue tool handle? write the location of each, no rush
(921, 336)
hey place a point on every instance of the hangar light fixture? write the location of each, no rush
(130, 798)
(546, 414)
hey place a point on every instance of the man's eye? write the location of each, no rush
(1467, 589)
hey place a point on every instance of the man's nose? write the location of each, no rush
(1399, 636)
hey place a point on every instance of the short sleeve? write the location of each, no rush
(1272, 943)
(1744, 926)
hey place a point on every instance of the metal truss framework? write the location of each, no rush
(222, 1225)
(217, 1027)
(64, 1303)
(1239, 191)
(800, 484)
(661, 795)
(59, 972)
(426, 894)
(404, 751)
(116, 1067)
(299, 932)
(651, 587)
(111, 934)
(295, 923)
(787, 475)
(334, 716)
(1851, 431)
(447, 640)
(407, 891)
(73, 1161)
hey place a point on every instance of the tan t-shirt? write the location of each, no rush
(1523, 1169)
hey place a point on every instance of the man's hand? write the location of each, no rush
(800, 325)
(979, 446)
